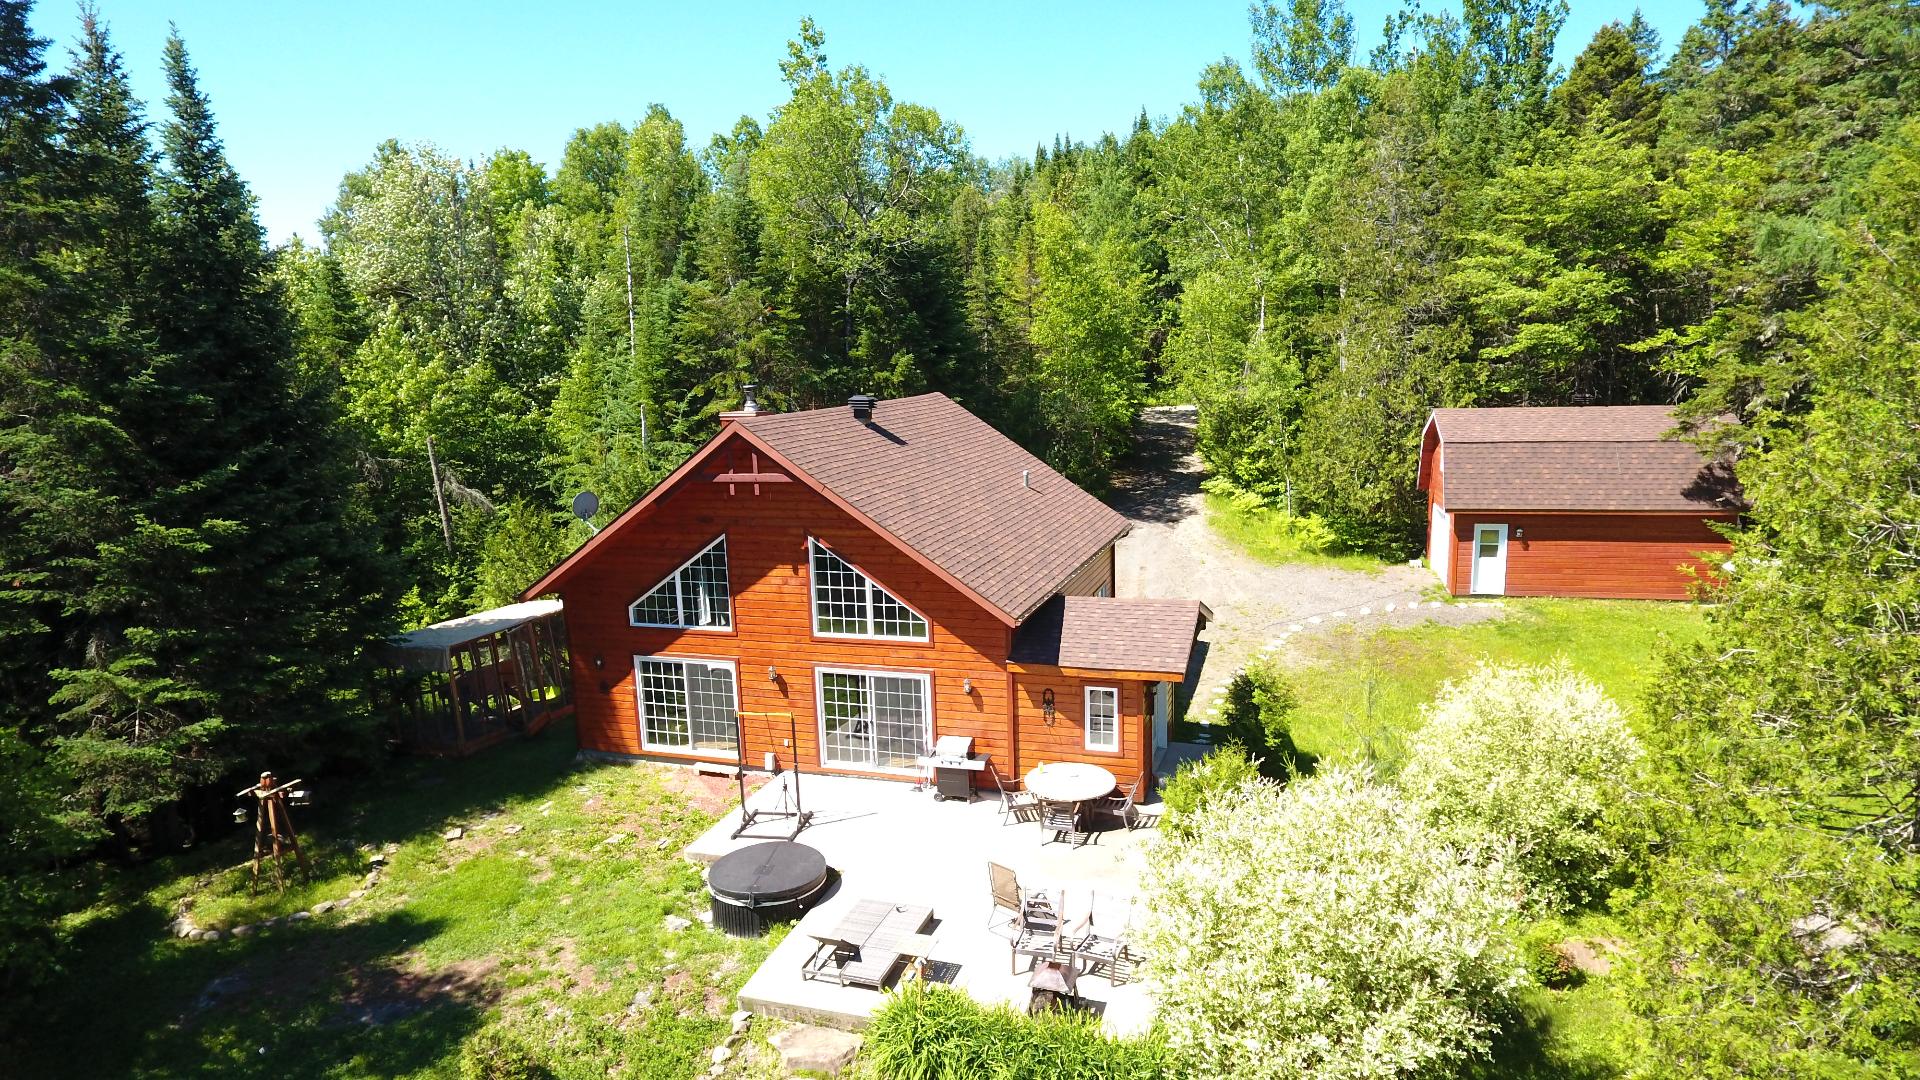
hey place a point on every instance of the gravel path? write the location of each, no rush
(1173, 552)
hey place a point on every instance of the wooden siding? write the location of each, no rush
(1088, 580)
(1066, 738)
(1602, 555)
(772, 622)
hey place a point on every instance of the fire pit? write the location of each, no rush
(757, 886)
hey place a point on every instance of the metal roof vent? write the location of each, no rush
(749, 405)
(862, 406)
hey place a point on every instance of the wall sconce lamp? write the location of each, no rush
(1519, 534)
(772, 675)
(966, 686)
(1046, 706)
(599, 662)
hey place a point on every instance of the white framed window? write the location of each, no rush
(1103, 718)
(694, 596)
(847, 603)
(1101, 592)
(878, 720)
(687, 706)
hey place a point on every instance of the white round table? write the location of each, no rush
(1069, 781)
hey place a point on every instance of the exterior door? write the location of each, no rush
(1440, 544)
(1490, 560)
(1162, 708)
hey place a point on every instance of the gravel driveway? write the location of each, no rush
(1173, 552)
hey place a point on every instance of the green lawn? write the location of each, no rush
(546, 930)
(1361, 689)
(1360, 692)
(1269, 536)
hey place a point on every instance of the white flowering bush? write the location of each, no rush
(1327, 930)
(1531, 755)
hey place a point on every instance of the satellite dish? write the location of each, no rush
(585, 505)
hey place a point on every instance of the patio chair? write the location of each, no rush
(1062, 821)
(1016, 901)
(1014, 805)
(1122, 805)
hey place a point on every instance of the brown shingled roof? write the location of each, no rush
(948, 485)
(1607, 457)
(1102, 633)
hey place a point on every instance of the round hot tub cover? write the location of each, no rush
(768, 874)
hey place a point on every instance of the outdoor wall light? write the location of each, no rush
(966, 686)
(1046, 706)
(599, 662)
(1519, 534)
(772, 675)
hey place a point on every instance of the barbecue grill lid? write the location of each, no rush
(768, 873)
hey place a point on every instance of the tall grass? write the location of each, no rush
(936, 1033)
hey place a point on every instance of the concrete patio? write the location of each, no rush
(889, 841)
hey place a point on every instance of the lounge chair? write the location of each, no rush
(867, 946)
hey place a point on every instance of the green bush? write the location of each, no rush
(1196, 783)
(936, 1033)
(1551, 968)
(1257, 714)
(495, 1054)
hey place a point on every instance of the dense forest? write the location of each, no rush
(223, 467)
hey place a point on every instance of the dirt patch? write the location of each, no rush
(1173, 552)
(578, 974)
(1589, 957)
(710, 794)
(381, 995)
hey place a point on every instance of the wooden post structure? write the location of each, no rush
(272, 826)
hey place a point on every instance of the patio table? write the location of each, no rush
(1069, 781)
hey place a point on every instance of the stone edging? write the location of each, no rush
(1266, 651)
(183, 927)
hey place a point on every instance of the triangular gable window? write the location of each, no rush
(847, 603)
(695, 596)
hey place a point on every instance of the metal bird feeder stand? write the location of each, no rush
(790, 807)
(273, 830)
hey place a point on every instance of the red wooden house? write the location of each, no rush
(1578, 501)
(883, 573)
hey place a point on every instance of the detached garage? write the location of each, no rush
(1582, 501)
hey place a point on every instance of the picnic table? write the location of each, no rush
(868, 944)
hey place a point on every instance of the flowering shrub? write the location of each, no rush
(1326, 930)
(1224, 770)
(1531, 755)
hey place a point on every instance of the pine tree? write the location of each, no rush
(232, 614)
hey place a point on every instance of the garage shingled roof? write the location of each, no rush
(1577, 458)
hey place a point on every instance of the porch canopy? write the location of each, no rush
(1111, 636)
(463, 684)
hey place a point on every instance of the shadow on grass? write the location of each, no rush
(280, 1004)
(1527, 1051)
(134, 1001)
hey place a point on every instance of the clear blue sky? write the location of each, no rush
(304, 91)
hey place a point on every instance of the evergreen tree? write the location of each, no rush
(232, 616)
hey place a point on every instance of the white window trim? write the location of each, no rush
(820, 713)
(1086, 718)
(678, 597)
(813, 600)
(640, 706)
